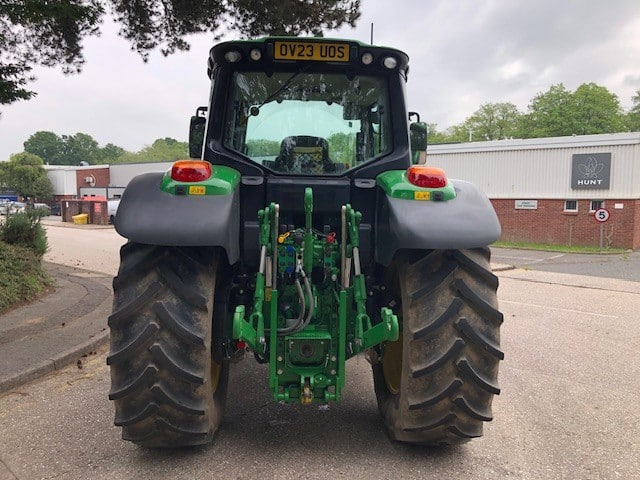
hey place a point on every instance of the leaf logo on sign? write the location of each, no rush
(591, 169)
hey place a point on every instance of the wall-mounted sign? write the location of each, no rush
(526, 204)
(591, 171)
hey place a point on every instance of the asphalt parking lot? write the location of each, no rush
(568, 408)
(624, 266)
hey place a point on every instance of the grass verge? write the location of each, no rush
(557, 248)
(22, 278)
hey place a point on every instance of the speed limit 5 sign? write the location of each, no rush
(601, 215)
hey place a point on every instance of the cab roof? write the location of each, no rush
(267, 52)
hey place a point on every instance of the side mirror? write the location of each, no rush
(418, 134)
(196, 133)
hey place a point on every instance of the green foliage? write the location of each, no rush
(71, 149)
(493, 121)
(42, 33)
(590, 109)
(42, 189)
(550, 114)
(109, 153)
(25, 174)
(596, 110)
(162, 150)
(22, 277)
(633, 117)
(51, 33)
(546, 247)
(66, 149)
(434, 136)
(342, 147)
(25, 230)
(47, 145)
(256, 148)
(79, 148)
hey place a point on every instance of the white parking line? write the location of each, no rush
(530, 260)
(559, 309)
(514, 258)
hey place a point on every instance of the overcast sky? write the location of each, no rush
(463, 53)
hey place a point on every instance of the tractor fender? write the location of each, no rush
(147, 214)
(467, 221)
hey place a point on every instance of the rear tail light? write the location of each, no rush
(190, 171)
(427, 177)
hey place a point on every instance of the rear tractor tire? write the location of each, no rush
(435, 384)
(167, 388)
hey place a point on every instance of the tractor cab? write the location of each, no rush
(289, 113)
(284, 106)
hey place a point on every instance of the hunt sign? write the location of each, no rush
(591, 171)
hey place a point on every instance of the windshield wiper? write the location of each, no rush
(281, 88)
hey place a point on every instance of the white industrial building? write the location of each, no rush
(546, 190)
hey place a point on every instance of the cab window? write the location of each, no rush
(309, 124)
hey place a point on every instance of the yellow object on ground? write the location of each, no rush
(81, 219)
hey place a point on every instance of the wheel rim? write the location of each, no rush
(392, 365)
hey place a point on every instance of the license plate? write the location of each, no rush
(317, 52)
(197, 190)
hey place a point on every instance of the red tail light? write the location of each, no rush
(427, 177)
(190, 171)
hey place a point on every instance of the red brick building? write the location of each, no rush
(546, 190)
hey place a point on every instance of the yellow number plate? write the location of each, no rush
(197, 190)
(422, 195)
(318, 52)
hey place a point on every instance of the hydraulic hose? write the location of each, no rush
(299, 324)
(307, 285)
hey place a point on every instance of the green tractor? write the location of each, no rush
(306, 231)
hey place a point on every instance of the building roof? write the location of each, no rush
(74, 167)
(538, 143)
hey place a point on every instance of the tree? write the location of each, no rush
(47, 145)
(434, 136)
(24, 173)
(51, 33)
(79, 148)
(342, 147)
(161, 150)
(493, 121)
(42, 33)
(70, 149)
(262, 147)
(590, 109)
(42, 189)
(550, 114)
(633, 117)
(596, 110)
(109, 153)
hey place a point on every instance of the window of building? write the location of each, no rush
(595, 205)
(570, 205)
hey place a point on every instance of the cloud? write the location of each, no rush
(462, 54)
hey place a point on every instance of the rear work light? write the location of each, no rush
(190, 171)
(427, 177)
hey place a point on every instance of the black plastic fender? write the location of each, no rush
(148, 215)
(467, 221)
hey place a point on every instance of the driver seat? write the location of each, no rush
(304, 154)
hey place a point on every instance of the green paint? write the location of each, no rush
(396, 185)
(223, 181)
(308, 364)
